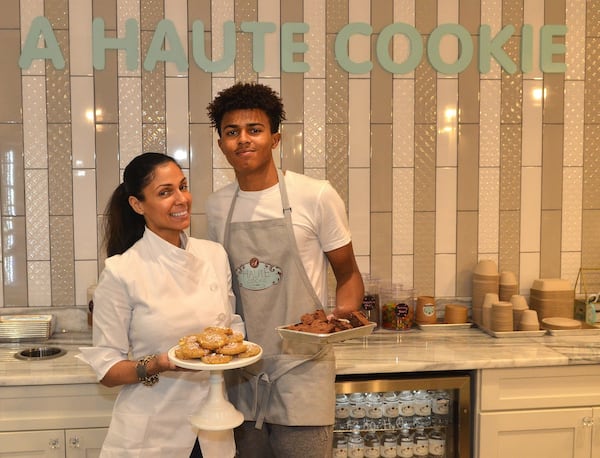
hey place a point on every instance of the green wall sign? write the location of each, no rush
(167, 47)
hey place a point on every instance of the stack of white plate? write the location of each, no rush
(552, 297)
(25, 327)
(485, 280)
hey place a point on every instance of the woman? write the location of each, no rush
(157, 286)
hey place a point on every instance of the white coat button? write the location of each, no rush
(214, 287)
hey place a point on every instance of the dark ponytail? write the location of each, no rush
(122, 225)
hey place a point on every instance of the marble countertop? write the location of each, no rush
(381, 352)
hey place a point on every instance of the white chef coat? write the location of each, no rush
(146, 299)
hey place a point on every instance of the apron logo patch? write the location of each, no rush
(256, 275)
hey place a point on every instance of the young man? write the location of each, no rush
(280, 232)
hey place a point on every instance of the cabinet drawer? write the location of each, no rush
(539, 387)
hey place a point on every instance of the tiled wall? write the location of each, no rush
(437, 170)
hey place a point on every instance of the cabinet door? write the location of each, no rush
(556, 433)
(33, 444)
(84, 443)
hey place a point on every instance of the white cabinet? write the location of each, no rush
(539, 412)
(54, 421)
(72, 443)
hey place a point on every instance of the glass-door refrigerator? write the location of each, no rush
(420, 415)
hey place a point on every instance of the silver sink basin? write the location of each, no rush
(40, 353)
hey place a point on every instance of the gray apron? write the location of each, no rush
(293, 384)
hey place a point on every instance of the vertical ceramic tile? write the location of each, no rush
(314, 15)
(359, 144)
(38, 284)
(510, 167)
(468, 167)
(381, 253)
(468, 92)
(529, 271)
(84, 214)
(270, 11)
(106, 91)
(402, 270)
(575, 20)
(489, 125)
(554, 90)
(107, 10)
(466, 251)
(381, 167)
(130, 119)
(404, 11)
(445, 276)
(591, 166)
(425, 16)
(359, 46)
(60, 169)
(571, 208)
(86, 274)
(12, 194)
(200, 165)
(337, 88)
(381, 95)
(107, 164)
(552, 167)
(10, 15)
(176, 12)
(447, 119)
(491, 15)
(30, 9)
(573, 138)
(445, 214)
(592, 19)
(291, 150)
(63, 260)
(292, 90)
(533, 92)
(199, 90)
(337, 158)
(337, 15)
(590, 242)
(58, 88)
(82, 121)
(592, 82)
(57, 13)
(508, 240)
(14, 261)
(80, 37)
(10, 89)
(245, 11)
(314, 123)
(403, 211)
(37, 214)
(128, 9)
(35, 142)
(219, 161)
(550, 244)
(221, 12)
(570, 263)
(403, 123)
(424, 260)
(425, 167)
(449, 46)
(425, 94)
(469, 12)
(153, 88)
(359, 209)
(531, 209)
(533, 15)
(177, 120)
(489, 203)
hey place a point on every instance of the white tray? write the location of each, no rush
(587, 330)
(198, 365)
(538, 333)
(313, 338)
(443, 326)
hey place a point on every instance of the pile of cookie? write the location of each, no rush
(318, 323)
(215, 345)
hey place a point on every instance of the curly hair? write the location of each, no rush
(247, 96)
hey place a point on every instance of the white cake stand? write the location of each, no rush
(217, 413)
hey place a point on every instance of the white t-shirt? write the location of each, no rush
(318, 217)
